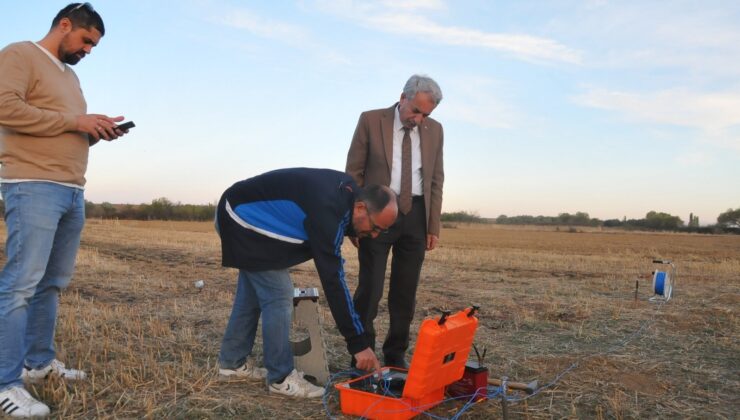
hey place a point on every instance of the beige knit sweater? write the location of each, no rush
(39, 105)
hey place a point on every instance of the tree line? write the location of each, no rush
(159, 209)
(653, 220)
(164, 209)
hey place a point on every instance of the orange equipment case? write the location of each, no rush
(439, 359)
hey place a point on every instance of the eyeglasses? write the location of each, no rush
(87, 6)
(375, 228)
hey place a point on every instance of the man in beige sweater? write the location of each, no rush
(45, 134)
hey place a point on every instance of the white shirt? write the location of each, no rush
(417, 182)
(54, 60)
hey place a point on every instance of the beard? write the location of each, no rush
(69, 57)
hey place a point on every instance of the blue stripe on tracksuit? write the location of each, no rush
(281, 217)
(338, 252)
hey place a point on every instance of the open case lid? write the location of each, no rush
(441, 352)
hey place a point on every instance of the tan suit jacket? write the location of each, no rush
(370, 158)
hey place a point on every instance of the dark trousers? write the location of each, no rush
(407, 238)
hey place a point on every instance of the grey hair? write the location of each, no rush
(421, 83)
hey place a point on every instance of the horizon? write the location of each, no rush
(482, 217)
(610, 109)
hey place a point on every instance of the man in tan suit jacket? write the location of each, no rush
(377, 156)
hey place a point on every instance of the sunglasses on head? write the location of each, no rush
(87, 6)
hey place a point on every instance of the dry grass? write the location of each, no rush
(549, 298)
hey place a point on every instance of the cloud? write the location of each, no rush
(399, 20)
(414, 5)
(295, 36)
(260, 26)
(526, 47)
(716, 115)
(699, 39)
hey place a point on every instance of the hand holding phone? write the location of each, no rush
(125, 126)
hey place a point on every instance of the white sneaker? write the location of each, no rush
(17, 402)
(247, 370)
(55, 368)
(295, 385)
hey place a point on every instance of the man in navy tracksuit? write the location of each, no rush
(274, 221)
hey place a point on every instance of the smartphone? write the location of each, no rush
(125, 126)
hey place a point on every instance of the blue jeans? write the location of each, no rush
(269, 293)
(44, 221)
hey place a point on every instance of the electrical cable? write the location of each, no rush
(494, 392)
(619, 345)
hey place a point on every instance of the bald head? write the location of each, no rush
(375, 210)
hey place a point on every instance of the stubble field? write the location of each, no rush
(552, 302)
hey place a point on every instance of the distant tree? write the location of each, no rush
(581, 218)
(160, 209)
(578, 219)
(90, 209)
(613, 223)
(656, 220)
(108, 210)
(462, 216)
(129, 212)
(693, 221)
(730, 218)
(207, 212)
(564, 218)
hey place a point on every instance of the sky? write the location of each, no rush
(613, 108)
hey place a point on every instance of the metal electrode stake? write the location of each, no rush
(637, 284)
(504, 408)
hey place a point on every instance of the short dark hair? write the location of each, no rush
(82, 15)
(376, 197)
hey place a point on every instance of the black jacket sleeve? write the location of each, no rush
(326, 234)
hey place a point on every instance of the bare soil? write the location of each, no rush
(556, 306)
